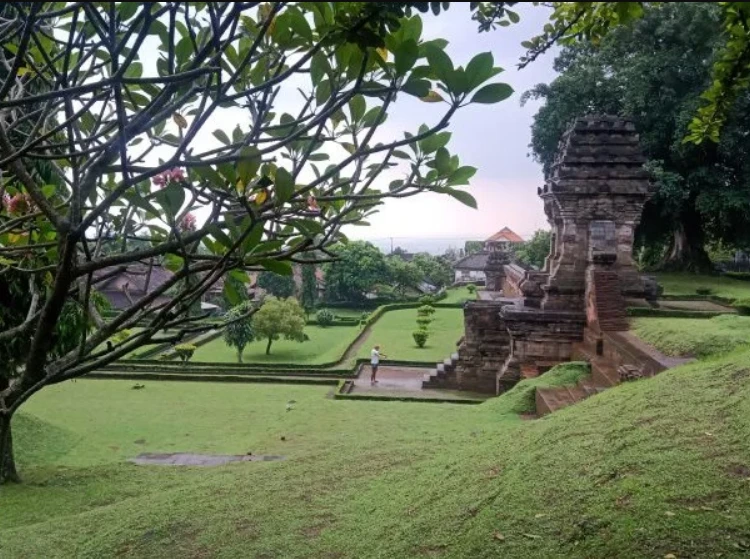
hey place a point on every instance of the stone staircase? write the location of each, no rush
(612, 356)
(444, 375)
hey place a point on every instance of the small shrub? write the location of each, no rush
(743, 307)
(426, 310)
(472, 289)
(363, 319)
(325, 318)
(421, 337)
(427, 300)
(423, 322)
(704, 291)
(185, 352)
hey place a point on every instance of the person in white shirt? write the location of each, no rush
(375, 356)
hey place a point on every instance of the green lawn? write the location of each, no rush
(393, 332)
(326, 345)
(648, 469)
(684, 337)
(458, 295)
(686, 284)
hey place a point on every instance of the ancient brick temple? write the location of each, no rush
(532, 320)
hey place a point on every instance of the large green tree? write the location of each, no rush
(309, 292)
(358, 268)
(277, 285)
(127, 105)
(238, 331)
(644, 71)
(436, 270)
(534, 251)
(277, 319)
(403, 275)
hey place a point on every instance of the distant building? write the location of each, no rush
(470, 269)
(503, 240)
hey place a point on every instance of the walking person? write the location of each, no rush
(375, 356)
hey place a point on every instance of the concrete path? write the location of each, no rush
(405, 381)
(204, 460)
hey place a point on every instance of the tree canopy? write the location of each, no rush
(238, 330)
(358, 268)
(534, 251)
(277, 285)
(703, 191)
(115, 148)
(279, 318)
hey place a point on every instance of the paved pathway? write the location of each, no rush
(188, 459)
(405, 381)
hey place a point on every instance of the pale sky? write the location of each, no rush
(493, 138)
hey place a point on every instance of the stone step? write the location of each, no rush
(549, 400)
(603, 372)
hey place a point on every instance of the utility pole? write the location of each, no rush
(391, 245)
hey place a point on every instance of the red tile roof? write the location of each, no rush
(505, 235)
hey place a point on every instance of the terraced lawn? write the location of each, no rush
(326, 345)
(687, 284)
(393, 332)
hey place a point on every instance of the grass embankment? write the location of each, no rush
(458, 295)
(688, 284)
(393, 332)
(326, 345)
(685, 337)
(647, 469)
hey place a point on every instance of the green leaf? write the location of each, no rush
(222, 137)
(319, 157)
(417, 88)
(440, 63)
(357, 106)
(479, 70)
(127, 10)
(49, 190)
(374, 117)
(461, 176)
(171, 198)
(319, 67)
(401, 154)
(443, 161)
(514, 17)
(460, 195)
(231, 294)
(406, 56)
(323, 92)
(183, 50)
(173, 263)
(299, 24)
(249, 163)
(433, 143)
(135, 70)
(493, 93)
(277, 267)
(221, 237)
(252, 241)
(308, 227)
(284, 185)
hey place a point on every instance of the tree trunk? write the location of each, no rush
(239, 355)
(8, 472)
(686, 250)
(268, 347)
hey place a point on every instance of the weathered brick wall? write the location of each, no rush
(485, 347)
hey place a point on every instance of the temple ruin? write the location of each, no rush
(527, 321)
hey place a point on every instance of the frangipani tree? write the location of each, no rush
(217, 138)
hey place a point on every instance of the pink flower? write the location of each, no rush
(312, 205)
(188, 223)
(169, 176)
(20, 204)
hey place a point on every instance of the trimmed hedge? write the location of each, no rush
(218, 378)
(710, 298)
(742, 276)
(671, 313)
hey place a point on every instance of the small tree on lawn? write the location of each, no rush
(280, 318)
(277, 285)
(238, 331)
(472, 289)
